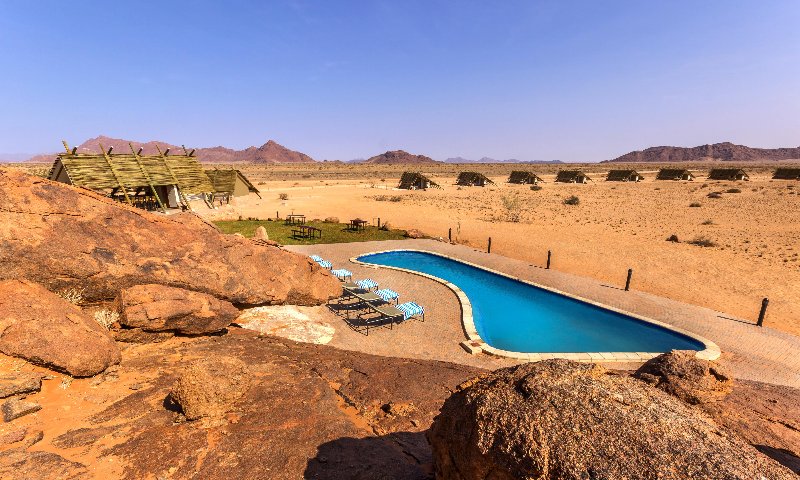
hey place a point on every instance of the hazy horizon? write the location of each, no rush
(579, 82)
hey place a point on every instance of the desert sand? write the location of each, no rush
(616, 226)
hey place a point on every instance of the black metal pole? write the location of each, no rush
(763, 312)
(379, 223)
(277, 217)
(489, 248)
(450, 234)
(628, 281)
(548, 259)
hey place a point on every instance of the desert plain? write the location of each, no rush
(751, 227)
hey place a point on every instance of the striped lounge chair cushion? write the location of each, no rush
(316, 258)
(341, 273)
(387, 295)
(367, 284)
(325, 264)
(410, 309)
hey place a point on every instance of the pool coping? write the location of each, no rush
(475, 344)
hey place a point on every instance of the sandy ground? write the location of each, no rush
(616, 226)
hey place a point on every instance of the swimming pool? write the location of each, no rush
(516, 316)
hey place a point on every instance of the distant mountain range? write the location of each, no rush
(726, 152)
(270, 152)
(395, 157)
(492, 160)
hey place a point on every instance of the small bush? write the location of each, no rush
(573, 200)
(694, 205)
(106, 318)
(388, 198)
(703, 242)
(283, 196)
(714, 195)
(673, 238)
(733, 190)
(513, 208)
(708, 222)
(72, 295)
(536, 188)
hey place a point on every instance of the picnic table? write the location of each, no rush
(357, 224)
(306, 231)
(295, 219)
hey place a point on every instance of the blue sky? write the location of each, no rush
(570, 80)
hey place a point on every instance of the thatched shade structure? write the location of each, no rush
(473, 179)
(572, 176)
(147, 181)
(524, 178)
(416, 181)
(674, 174)
(727, 174)
(787, 174)
(230, 183)
(624, 176)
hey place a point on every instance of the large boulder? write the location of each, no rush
(682, 374)
(66, 237)
(209, 387)
(559, 419)
(158, 308)
(45, 329)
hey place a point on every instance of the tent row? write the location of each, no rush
(151, 182)
(414, 181)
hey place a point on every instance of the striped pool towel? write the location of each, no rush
(341, 273)
(316, 258)
(367, 284)
(410, 309)
(387, 295)
(325, 264)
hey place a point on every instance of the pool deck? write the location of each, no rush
(750, 352)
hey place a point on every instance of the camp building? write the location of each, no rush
(727, 174)
(624, 176)
(524, 178)
(416, 181)
(787, 174)
(146, 181)
(473, 179)
(572, 176)
(674, 174)
(230, 183)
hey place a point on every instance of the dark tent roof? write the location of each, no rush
(622, 175)
(520, 176)
(570, 176)
(673, 174)
(727, 174)
(472, 178)
(409, 179)
(785, 173)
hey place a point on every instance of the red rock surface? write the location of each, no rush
(65, 237)
(47, 330)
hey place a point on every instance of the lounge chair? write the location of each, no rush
(388, 295)
(325, 264)
(316, 258)
(367, 284)
(342, 274)
(392, 314)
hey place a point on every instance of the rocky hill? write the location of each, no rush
(399, 156)
(270, 152)
(726, 152)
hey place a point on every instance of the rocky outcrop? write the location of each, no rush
(558, 419)
(687, 377)
(158, 308)
(208, 388)
(45, 329)
(65, 237)
(18, 463)
(725, 151)
(19, 383)
(14, 408)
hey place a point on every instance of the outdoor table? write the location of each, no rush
(307, 231)
(295, 219)
(357, 224)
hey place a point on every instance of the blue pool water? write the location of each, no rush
(517, 316)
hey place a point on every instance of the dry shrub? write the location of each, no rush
(72, 295)
(513, 208)
(694, 205)
(573, 200)
(733, 190)
(388, 198)
(715, 195)
(283, 196)
(106, 317)
(703, 242)
(673, 238)
(536, 188)
(708, 222)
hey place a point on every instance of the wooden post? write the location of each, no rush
(379, 223)
(450, 234)
(548, 259)
(763, 312)
(489, 247)
(277, 217)
(628, 281)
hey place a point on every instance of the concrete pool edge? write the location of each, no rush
(710, 352)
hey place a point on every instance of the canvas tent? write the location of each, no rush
(785, 173)
(147, 181)
(523, 178)
(727, 174)
(416, 181)
(674, 174)
(230, 183)
(624, 176)
(572, 176)
(473, 179)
